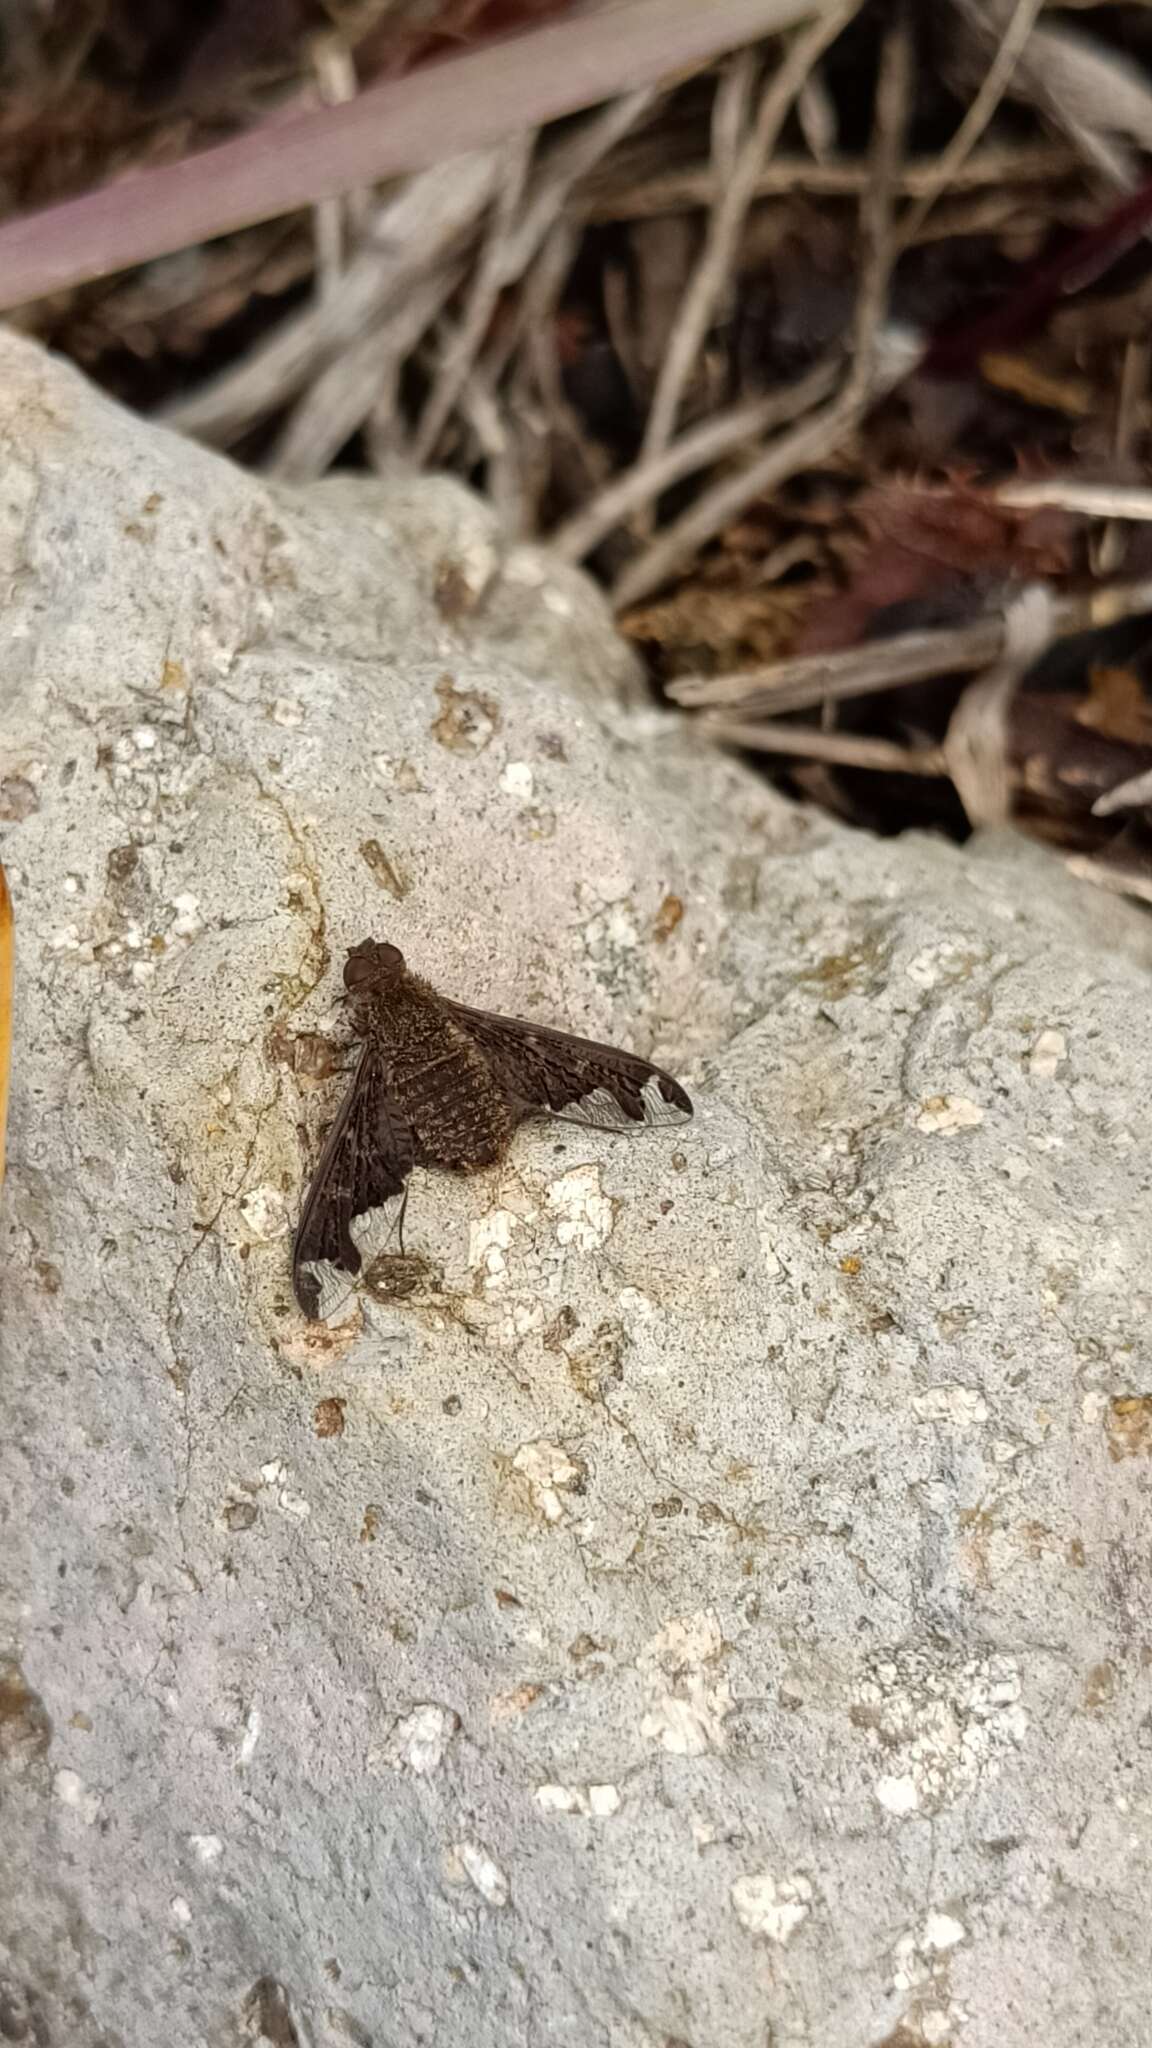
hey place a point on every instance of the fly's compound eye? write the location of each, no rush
(359, 968)
(370, 965)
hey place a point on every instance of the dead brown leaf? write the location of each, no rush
(1117, 705)
(718, 628)
(937, 546)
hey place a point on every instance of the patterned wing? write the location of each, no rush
(573, 1078)
(363, 1168)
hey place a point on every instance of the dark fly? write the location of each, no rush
(439, 1084)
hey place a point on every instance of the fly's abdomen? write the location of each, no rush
(456, 1111)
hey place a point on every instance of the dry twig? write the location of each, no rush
(996, 81)
(341, 398)
(1108, 547)
(714, 507)
(811, 679)
(335, 75)
(999, 167)
(1127, 796)
(506, 485)
(489, 276)
(513, 245)
(1107, 874)
(1096, 501)
(874, 369)
(1090, 92)
(811, 743)
(468, 102)
(976, 742)
(716, 264)
(696, 449)
(431, 213)
(532, 340)
(892, 664)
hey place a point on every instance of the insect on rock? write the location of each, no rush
(439, 1084)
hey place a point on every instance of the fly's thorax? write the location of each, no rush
(408, 1023)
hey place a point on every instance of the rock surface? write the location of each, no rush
(711, 1604)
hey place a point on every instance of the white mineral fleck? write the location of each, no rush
(550, 1471)
(421, 1738)
(772, 1906)
(480, 1870)
(584, 1215)
(518, 781)
(70, 1788)
(598, 1800)
(899, 1795)
(1050, 1049)
(689, 1696)
(961, 1406)
(943, 1116)
(941, 1931)
(488, 1240)
(264, 1213)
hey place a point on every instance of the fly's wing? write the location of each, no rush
(573, 1078)
(363, 1168)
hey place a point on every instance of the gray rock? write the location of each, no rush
(711, 1605)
